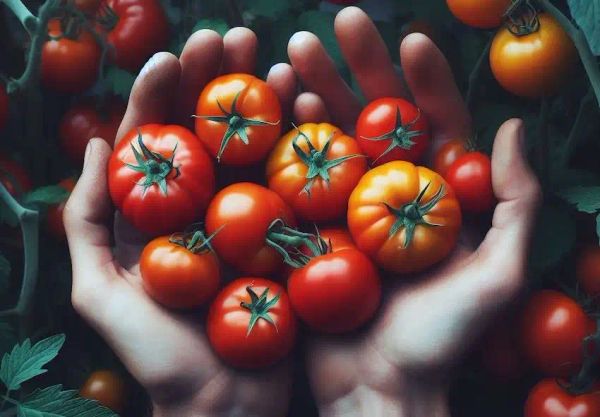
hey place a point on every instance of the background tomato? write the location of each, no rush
(54, 216)
(13, 176)
(549, 399)
(3, 106)
(69, 65)
(471, 179)
(84, 121)
(324, 152)
(533, 65)
(588, 270)
(167, 192)
(483, 14)
(447, 154)
(251, 331)
(107, 387)
(390, 129)
(89, 7)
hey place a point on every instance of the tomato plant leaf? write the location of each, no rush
(4, 273)
(54, 402)
(218, 25)
(48, 195)
(119, 81)
(585, 198)
(587, 15)
(553, 237)
(269, 8)
(25, 361)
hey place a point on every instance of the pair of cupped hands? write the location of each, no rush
(400, 365)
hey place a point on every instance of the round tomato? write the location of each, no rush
(337, 239)
(160, 178)
(588, 270)
(89, 7)
(54, 216)
(552, 331)
(180, 271)
(471, 179)
(447, 154)
(136, 29)
(336, 292)
(84, 121)
(69, 64)
(483, 14)
(238, 119)
(14, 177)
(391, 129)
(549, 399)
(533, 65)
(106, 387)
(406, 218)
(314, 169)
(242, 214)
(3, 106)
(251, 323)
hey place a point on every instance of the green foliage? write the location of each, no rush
(218, 25)
(585, 198)
(119, 82)
(269, 8)
(587, 15)
(54, 402)
(47, 195)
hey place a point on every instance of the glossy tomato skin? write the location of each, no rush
(286, 172)
(337, 292)
(447, 154)
(3, 106)
(188, 194)
(107, 387)
(482, 14)
(588, 270)
(534, 65)
(141, 30)
(471, 179)
(370, 221)
(83, 122)
(176, 277)
(553, 327)
(54, 216)
(549, 399)
(337, 239)
(227, 325)
(256, 101)
(69, 66)
(14, 177)
(242, 213)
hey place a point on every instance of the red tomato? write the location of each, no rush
(390, 129)
(552, 331)
(165, 185)
(471, 179)
(84, 121)
(13, 176)
(447, 154)
(242, 213)
(106, 387)
(238, 119)
(251, 323)
(136, 30)
(483, 14)
(337, 239)
(69, 65)
(3, 106)
(588, 270)
(54, 216)
(89, 7)
(549, 399)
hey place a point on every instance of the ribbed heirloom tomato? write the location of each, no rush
(107, 387)
(447, 154)
(238, 119)
(471, 179)
(160, 178)
(405, 217)
(391, 129)
(314, 169)
(549, 399)
(483, 14)
(13, 176)
(251, 323)
(588, 270)
(54, 216)
(3, 106)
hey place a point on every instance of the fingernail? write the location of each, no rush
(88, 151)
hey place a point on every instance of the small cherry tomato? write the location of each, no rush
(549, 399)
(471, 179)
(106, 387)
(483, 14)
(447, 154)
(14, 177)
(54, 216)
(3, 106)
(588, 270)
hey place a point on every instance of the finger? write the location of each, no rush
(282, 79)
(200, 62)
(319, 75)
(367, 55)
(153, 93)
(431, 82)
(239, 54)
(310, 108)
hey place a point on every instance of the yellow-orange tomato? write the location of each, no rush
(533, 65)
(483, 14)
(106, 387)
(405, 217)
(315, 177)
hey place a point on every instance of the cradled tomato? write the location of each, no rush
(336, 292)
(160, 178)
(405, 217)
(391, 129)
(3, 106)
(238, 119)
(471, 179)
(54, 216)
(533, 65)
(552, 331)
(243, 214)
(447, 154)
(136, 29)
(483, 14)
(251, 323)
(588, 270)
(337, 239)
(314, 169)
(84, 121)
(70, 62)
(14, 177)
(106, 387)
(549, 399)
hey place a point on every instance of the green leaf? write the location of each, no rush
(268, 8)
(218, 25)
(585, 198)
(119, 81)
(553, 238)
(25, 361)
(54, 402)
(587, 15)
(4, 273)
(47, 195)
(321, 24)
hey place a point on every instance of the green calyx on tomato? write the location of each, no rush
(522, 18)
(107, 17)
(236, 124)
(155, 167)
(412, 214)
(259, 307)
(195, 241)
(287, 241)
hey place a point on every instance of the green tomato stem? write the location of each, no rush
(28, 20)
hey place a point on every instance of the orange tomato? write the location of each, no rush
(106, 387)
(483, 14)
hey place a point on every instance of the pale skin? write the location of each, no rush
(401, 365)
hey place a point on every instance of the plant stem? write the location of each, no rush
(476, 72)
(587, 57)
(29, 21)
